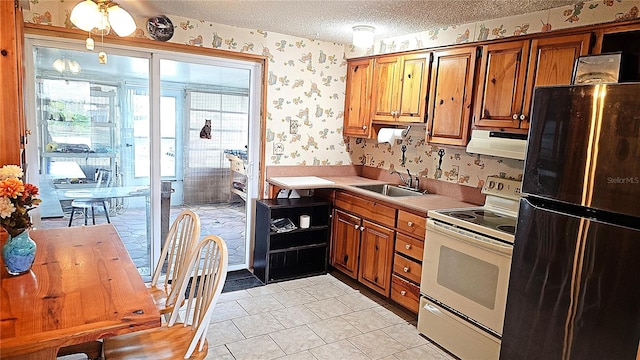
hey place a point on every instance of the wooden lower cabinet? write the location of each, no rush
(345, 244)
(376, 255)
(360, 247)
(407, 262)
(380, 246)
(405, 293)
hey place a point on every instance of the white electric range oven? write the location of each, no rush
(465, 272)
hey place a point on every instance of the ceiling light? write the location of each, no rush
(363, 36)
(66, 65)
(100, 17)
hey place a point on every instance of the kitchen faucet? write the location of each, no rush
(408, 182)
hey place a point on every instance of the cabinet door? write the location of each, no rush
(345, 243)
(503, 71)
(357, 117)
(551, 63)
(413, 88)
(452, 75)
(385, 88)
(376, 254)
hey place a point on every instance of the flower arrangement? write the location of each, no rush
(16, 200)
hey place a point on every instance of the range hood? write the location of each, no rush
(495, 143)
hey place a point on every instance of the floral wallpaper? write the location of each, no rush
(306, 84)
(580, 14)
(306, 81)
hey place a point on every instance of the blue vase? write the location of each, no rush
(19, 252)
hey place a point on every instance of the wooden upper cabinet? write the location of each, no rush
(551, 62)
(452, 75)
(400, 88)
(357, 117)
(501, 80)
(509, 71)
(385, 88)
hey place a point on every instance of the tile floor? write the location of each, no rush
(314, 318)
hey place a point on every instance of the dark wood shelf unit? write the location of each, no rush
(280, 256)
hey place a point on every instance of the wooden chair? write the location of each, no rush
(181, 238)
(206, 272)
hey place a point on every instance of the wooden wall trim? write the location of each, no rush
(11, 115)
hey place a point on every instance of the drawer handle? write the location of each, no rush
(408, 247)
(406, 269)
(410, 223)
(403, 292)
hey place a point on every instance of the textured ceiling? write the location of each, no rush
(332, 20)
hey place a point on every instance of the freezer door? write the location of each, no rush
(584, 147)
(574, 290)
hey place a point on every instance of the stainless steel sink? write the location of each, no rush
(390, 190)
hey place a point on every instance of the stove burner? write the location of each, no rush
(485, 213)
(462, 216)
(507, 228)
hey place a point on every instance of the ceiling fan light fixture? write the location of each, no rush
(363, 36)
(85, 15)
(100, 16)
(121, 21)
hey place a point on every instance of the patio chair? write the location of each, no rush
(201, 285)
(103, 180)
(181, 238)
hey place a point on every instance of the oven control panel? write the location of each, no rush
(502, 187)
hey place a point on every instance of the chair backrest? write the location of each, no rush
(102, 178)
(206, 272)
(181, 238)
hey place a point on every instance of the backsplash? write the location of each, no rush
(448, 164)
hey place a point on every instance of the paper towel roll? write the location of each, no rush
(389, 135)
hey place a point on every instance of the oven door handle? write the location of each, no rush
(470, 238)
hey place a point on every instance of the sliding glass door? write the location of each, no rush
(85, 119)
(143, 137)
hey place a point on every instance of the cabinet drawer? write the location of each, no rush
(370, 209)
(407, 268)
(412, 224)
(405, 293)
(409, 246)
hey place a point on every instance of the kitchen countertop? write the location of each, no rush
(420, 204)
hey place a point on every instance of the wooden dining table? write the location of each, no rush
(82, 287)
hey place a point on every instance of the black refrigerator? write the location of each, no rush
(574, 289)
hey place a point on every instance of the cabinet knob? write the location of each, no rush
(406, 269)
(361, 228)
(522, 117)
(403, 292)
(407, 246)
(410, 223)
(357, 226)
(364, 127)
(515, 116)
